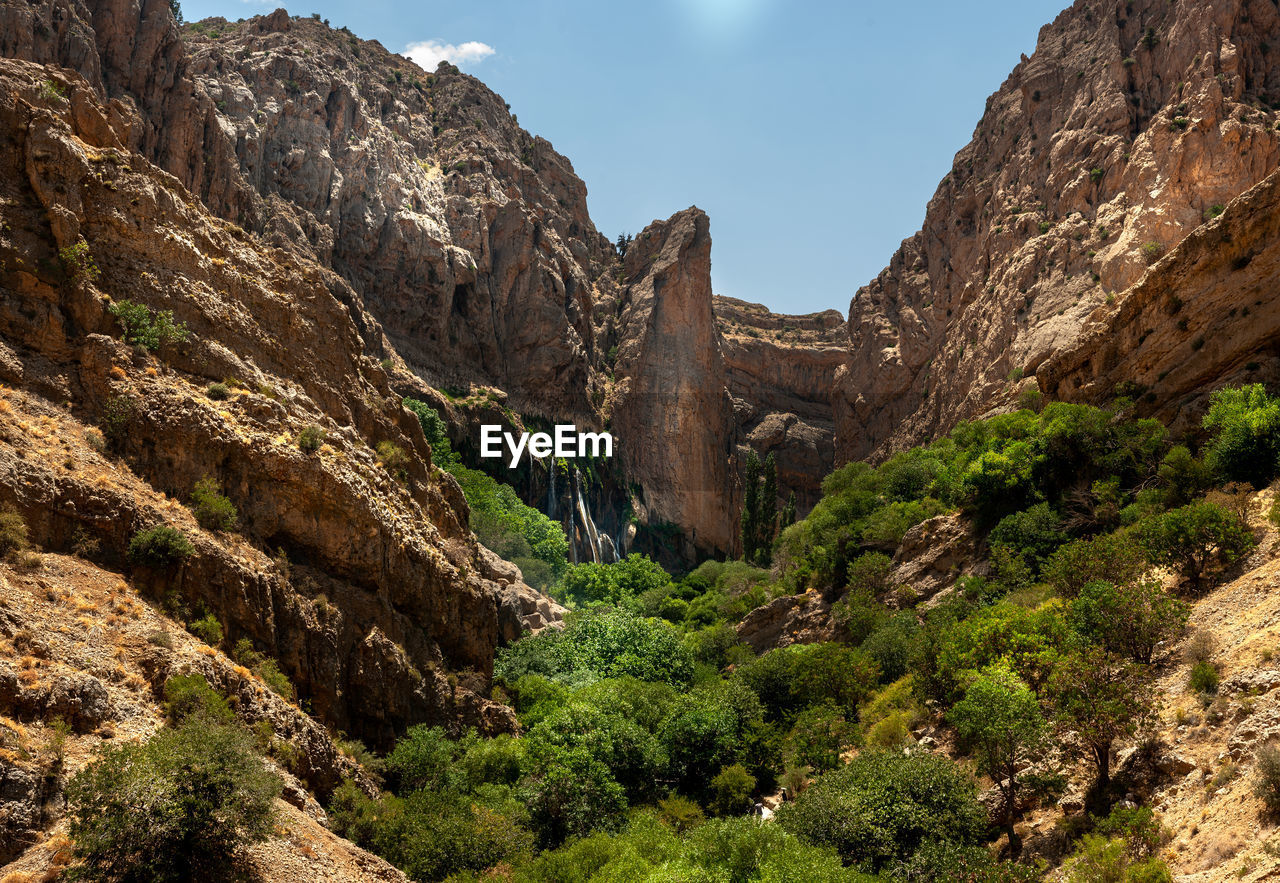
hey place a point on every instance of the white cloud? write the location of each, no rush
(429, 53)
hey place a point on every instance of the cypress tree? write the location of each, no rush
(751, 508)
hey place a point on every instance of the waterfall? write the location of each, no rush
(608, 552)
(588, 526)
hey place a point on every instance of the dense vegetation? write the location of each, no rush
(500, 519)
(650, 732)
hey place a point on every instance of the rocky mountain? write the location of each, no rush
(1131, 126)
(781, 371)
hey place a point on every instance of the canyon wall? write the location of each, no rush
(1132, 125)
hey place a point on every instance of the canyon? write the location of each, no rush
(333, 229)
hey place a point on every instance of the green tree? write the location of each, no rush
(436, 432)
(1000, 718)
(173, 807)
(1244, 424)
(884, 805)
(749, 527)
(1100, 697)
(732, 790)
(1133, 619)
(212, 509)
(1113, 557)
(1195, 539)
(1034, 534)
(160, 546)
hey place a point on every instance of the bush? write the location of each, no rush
(436, 432)
(190, 695)
(172, 808)
(883, 806)
(311, 438)
(159, 547)
(606, 644)
(680, 813)
(76, 258)
(1115, 557)
(219, 392)
(1266, 777)
(1244, 425)
(517, 532)
(1204, 677)
(277, 681)
(430, 835)
(207, 629)
(13, 531)
(732, 790)
(612, 583)
(213, 510)
(1034, 534)
(1196, 539)
(147, 330)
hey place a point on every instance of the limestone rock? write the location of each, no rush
(1116, 139)
(671, 408)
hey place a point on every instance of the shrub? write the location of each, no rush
(1266, 777)
(13, 531)
(680, 813)
(207, 629)
(147, 330)
(1204, 677)
(311, 438)
(517, 532)
(159, 547)
(278, 682)
(1244, 425)
(172, 808)
(1196, 539)
(1152, 251)
(732, 790)
(1115, 557)
(188, 695)
(78, 262)
(883, 806)
(436, 432)
(160, 638)
(219, 391)
(213, 510)
(612, 583)
(607, 644)
(1034, 534)
(394, 459)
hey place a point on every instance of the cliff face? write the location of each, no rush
(1204, 316)
(671, 408)
(1130, 126)
(781, 370)
(463, 243)
(355, 571)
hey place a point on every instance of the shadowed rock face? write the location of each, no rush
(781, 371)
(1203, 317)
(1102, 151)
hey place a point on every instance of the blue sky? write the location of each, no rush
(813, 133)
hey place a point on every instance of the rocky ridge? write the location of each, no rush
(1130, 126)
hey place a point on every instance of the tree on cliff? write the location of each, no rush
(759, 509)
